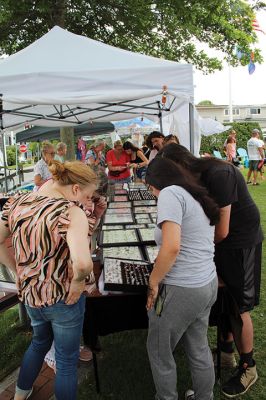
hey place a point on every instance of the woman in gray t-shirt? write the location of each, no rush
(183, 284)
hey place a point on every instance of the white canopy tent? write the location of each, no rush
(66, 79)
(63, 79)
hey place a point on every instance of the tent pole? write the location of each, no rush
(160, 117)
(191, 127)
(3, 140)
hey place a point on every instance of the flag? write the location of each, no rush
(251, 68)
(256, 26)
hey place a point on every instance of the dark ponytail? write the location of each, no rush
(163, 172)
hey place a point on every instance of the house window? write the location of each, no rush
(236, 111)
(254, 111)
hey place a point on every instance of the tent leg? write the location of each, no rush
(160, 117)
(3, 140)
(191, 128)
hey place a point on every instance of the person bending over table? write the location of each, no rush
(138, 160)
(238, 251)
(52, 259)
(118, 162)
(183, 284)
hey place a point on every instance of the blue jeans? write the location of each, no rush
(63, 324)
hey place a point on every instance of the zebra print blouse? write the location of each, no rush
(38, 225)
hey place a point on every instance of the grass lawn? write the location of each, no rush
(123, 365)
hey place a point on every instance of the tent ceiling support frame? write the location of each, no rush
(59, 114)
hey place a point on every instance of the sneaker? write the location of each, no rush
(228, 360)
(240, 382)
(85, 354)
(189, 395)
(249, 182)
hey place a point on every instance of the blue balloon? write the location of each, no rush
(251, 68)
(239, 54)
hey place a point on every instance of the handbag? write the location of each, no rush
(116, 173)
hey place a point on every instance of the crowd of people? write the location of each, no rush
(208, 233)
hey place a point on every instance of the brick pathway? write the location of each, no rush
(43, 386)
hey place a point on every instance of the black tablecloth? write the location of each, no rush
(113, 313)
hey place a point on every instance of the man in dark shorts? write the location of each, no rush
(238, 244)
(238, 238)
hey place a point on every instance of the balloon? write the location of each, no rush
(239, 54)
(251, 68)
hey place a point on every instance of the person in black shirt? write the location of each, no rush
(238, 247)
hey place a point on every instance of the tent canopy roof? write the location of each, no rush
(66, 79)
(41, 133)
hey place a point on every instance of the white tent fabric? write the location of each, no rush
(65, 79)
(178, 123)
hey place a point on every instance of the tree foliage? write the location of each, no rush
(216, 141)
(162, 28)
(205, 103)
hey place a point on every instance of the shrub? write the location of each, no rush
(216, 141)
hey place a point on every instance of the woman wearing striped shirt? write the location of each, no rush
(50, 236)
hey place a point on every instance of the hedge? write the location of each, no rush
(216, 141)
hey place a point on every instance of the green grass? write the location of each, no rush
(123, 365)
(13, 341)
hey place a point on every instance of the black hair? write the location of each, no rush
(130, 146)
(182, 156)
(152, 135)
(163, 172)
(169, 137)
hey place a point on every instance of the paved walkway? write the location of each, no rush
(43, 386)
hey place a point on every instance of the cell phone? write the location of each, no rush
(159, 303)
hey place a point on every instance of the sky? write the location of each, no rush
(246, 89)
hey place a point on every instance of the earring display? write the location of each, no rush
(120, 198)
(144, 203)
(142, 218)
(152, 253)
(146, 235)
(125, 275)
(118, 211)
(134, 195)
(146, 195)
(118, 237)
(118, 186)
(118, 219)
(120, 204)
(135, 226)
(120, 191)
(136, 185)
(145, 209)
(129, 253)
(112, 227)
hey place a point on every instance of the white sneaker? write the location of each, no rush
(189, 395)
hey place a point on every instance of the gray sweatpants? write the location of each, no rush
(184, 319)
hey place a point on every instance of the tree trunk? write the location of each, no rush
(67, 137)
(58, 13)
